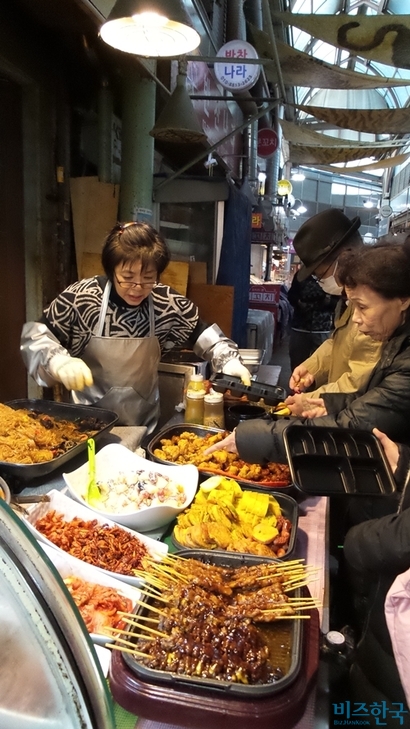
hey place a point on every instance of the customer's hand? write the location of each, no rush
(235, 367)
(390, 448)
(72, 372)
(300, 379)
(296, 404)
(227, 444)
(314, 408)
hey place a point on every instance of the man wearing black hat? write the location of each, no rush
(344, 362)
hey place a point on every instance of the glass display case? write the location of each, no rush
(50, 676)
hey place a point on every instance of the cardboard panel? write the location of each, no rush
(176, 276)
(197, 272)
(215, 304)
(90, 265)
(95, 210)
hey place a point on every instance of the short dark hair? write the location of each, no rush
(383, 267)
(135, 241)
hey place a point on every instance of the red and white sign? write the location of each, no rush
(235, 74)
(267, 142)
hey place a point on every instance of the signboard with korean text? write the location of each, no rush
(256, 220)
(262, 236)
(235, 74)
(267, 142)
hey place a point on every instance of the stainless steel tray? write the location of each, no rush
(103, 419)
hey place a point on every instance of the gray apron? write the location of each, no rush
(125, 373)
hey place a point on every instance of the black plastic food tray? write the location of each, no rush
(335, 461)
(106, 419)
(201, 431)
(231, 688)
(289, 509)
(255, 391)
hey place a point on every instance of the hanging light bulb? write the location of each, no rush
(150, 28)
(297, 175)
(299, 207)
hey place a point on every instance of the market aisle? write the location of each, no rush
(280, 356)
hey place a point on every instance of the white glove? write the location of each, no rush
(235, 367)
(71, 371)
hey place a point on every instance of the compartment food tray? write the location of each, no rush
(231, 688)
(335, 461)
(106, 419)
(271, 394)
(289, 509)
(201, 431)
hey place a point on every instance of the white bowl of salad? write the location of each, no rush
(134, 491)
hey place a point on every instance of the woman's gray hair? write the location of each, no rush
(383, 267)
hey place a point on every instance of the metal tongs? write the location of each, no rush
(16, 502)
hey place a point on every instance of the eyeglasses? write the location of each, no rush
(323, 276)
(134, 284)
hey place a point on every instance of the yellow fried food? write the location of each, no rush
(227, 517)
(188, 447)
(264, 532)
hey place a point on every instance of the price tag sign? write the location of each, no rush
(234, 73)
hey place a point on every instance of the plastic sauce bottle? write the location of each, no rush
(196, 383)
(214, 410)
(194, 406)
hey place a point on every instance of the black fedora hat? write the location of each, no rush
(319, 236)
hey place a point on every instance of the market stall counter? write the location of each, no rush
(295, 707)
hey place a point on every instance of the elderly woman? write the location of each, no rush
(103, 336)
(375, 552)
(377, 283)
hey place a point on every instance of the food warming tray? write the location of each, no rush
(256, 391)
(289, 509)
(295, 628)
(201, 431)
(335, 461)
(106, 419)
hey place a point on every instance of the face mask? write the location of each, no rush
(330, 285)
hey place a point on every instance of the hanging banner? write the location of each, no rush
(373, 121)
(300, 69)
(235, 74)
(381, 38)
(267, 142)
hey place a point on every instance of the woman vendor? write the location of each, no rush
(102, 337)
(377, 283)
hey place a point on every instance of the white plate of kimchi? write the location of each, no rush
(71, 528)
(98, 597)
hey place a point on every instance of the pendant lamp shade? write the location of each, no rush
(178, 121)
(150, 28)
